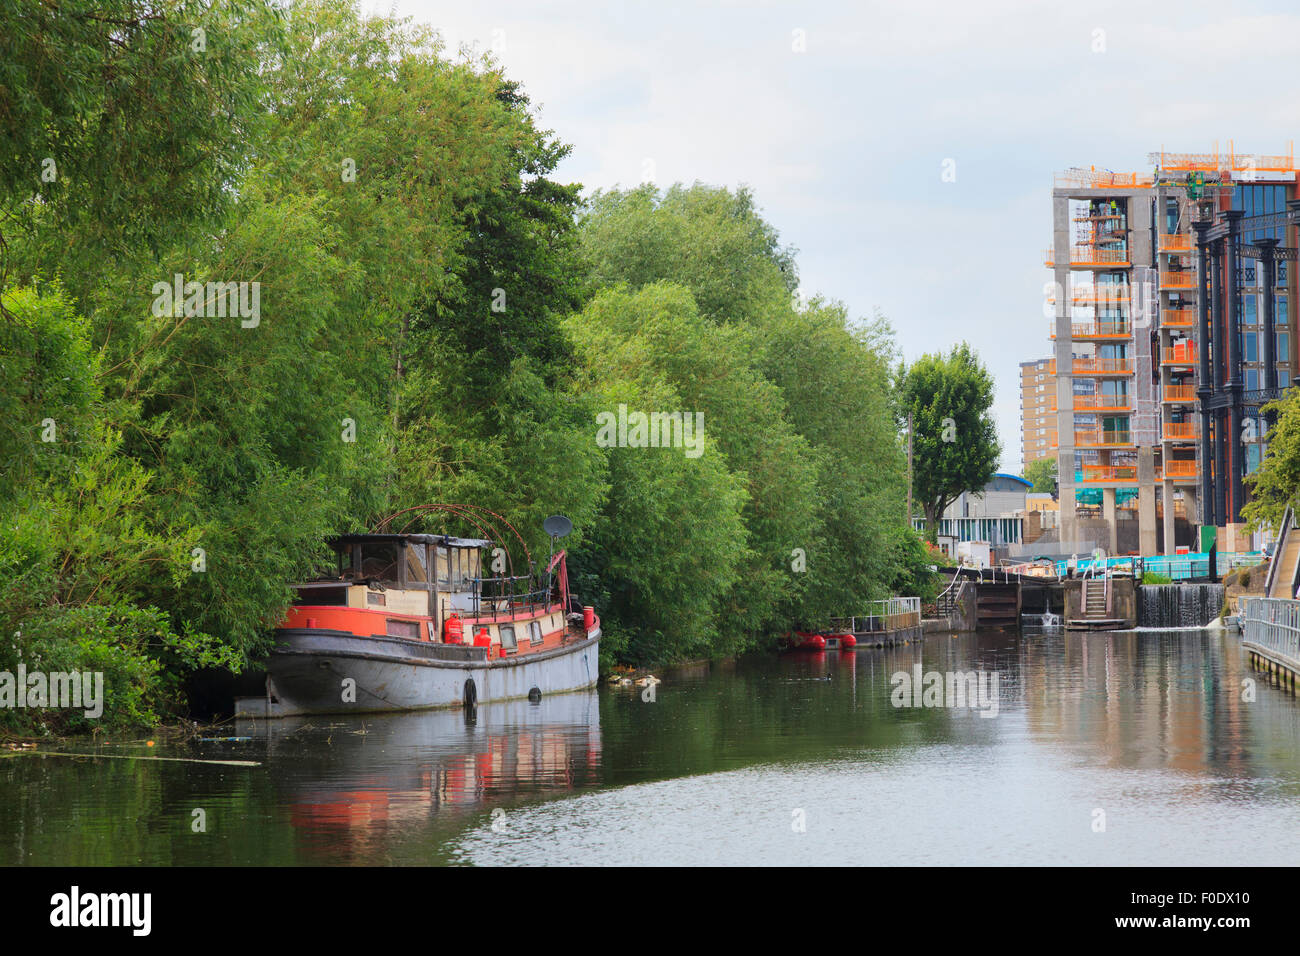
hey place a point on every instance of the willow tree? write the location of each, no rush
(955, 445)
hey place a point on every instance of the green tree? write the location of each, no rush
(122, 122)
(1041, 473)
(708, 238)
(1275, 485)
(954, 441)
(657, 334)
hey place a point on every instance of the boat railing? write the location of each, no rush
(506, 595)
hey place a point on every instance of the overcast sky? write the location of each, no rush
(845, 143)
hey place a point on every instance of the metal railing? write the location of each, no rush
(504, 596)
(1178, 468)
(888, 614)
(1273, 625)
(1093, 473)
(1092, 178)
(1176, 567)
(1091, 256)
(1103, 403)
(1099, 438)
(1098, 329)
(1096, 295)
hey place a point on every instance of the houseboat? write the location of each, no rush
(409, 622)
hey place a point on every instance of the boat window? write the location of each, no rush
(321, 597)
(508, 637)
(472, 564)
(379, 559)
(397, 628)
(344, 557)
(444, 566)
(416, 573)
(466, 567)
(534, 632)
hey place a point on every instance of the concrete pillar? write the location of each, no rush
(1108, 513)
(1167, 496)
(1064, 353)
(1204, 388)
(1147, 541)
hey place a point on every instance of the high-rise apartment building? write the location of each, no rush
(1161, 358)
(1037, 412)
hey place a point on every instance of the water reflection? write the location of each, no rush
(1156, 728)
(354, 788)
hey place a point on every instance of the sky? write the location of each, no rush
(906, 150)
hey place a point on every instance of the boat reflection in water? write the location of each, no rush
(363, 789)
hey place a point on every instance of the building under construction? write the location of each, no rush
(1173, 325)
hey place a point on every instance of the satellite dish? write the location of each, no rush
(557, 526)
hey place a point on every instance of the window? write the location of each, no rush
(380, 559)
(1252, 379)
(508, 637)
(399, 628)
(318, 597)
(416, 573)
(534, 632)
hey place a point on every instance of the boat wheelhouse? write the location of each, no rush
(409, 621)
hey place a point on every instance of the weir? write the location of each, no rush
(1178, 605)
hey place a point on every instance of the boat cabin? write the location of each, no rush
(431, 588)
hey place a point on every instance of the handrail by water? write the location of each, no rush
(1273, 626)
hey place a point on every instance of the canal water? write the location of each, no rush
(1109, 748)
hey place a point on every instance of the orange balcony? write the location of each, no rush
(1097, 329)
(1178, 468)
(1186, 279)
(1103, 366)
(1096, 438)
(1181, 431)
(1174, 243)
(1183, 394)
(1088, 367)
(1102, 403)
(1089, 257)
(1182, 354)
(1096, 295)
(1178, 318)
(1100, 473)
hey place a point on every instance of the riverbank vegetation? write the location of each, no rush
(419, 310)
